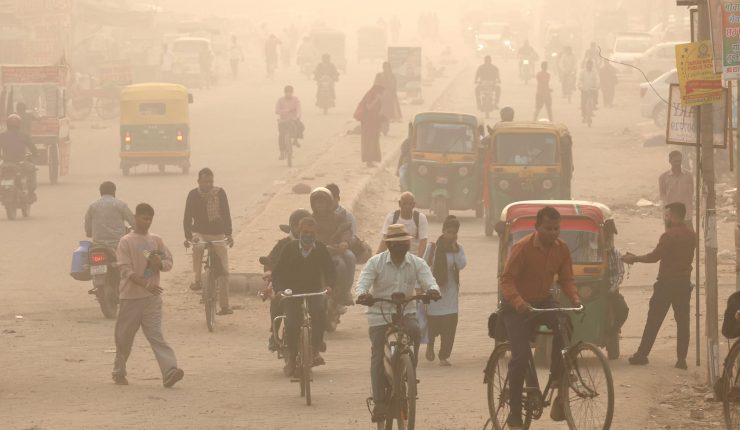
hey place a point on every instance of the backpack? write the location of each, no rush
(415, 216)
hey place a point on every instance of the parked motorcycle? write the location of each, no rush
(105, 278)
(14, 190)
(325, 93)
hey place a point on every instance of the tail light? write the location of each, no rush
(127, 137)
(98, 258)
(179, 137)
(643, 91)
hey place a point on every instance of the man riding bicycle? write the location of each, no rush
(588, 83)
(528, 274)
(304, 267)
(288, 109)
(487, 72)
(395, 270)
(208, 219)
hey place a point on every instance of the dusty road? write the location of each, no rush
(56, 362)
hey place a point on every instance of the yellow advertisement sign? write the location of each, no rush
(697, 81)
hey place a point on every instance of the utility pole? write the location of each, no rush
(706, 139)
(737, 194)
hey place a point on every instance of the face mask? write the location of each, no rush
(399, 250)
(308, 240)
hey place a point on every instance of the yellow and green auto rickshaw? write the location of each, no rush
(155, 126)
(525, 161)
(588, 228)
(445, 169)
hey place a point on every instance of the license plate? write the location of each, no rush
(99, 270)
(442, 181)
(6, 183)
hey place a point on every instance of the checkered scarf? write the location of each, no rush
(213, 203)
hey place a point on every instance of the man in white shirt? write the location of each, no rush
(415, 222)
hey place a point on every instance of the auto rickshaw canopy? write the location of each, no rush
(444, 132)
(155, 103)
(598, 212)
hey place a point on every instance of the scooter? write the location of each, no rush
(526, 70)
(105, 278)
(325, 93)
(14, 190)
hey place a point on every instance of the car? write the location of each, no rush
(651, 104)
(657, 59)
(629, 46)
(493, 38)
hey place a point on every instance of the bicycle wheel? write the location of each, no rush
(288, 147)
(588, 389)
(498, 388)
(209, 300)
(731, 388)
(306, 363)
(406, 393)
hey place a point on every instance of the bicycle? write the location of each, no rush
(578, 385)
(400, 371)
(731, 387)
(304, 359)
(287, 140)
(212, 270)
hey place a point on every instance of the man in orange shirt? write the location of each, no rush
(529, 273)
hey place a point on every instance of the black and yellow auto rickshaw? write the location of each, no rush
(445, 170)
(588, 228)
(155, 126)
(525, 161)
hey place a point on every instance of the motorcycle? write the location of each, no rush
(14, 191)
(325, 93)
(105, 278)
(488, 95)
(526, 70)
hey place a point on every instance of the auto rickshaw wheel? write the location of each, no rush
(53, 164)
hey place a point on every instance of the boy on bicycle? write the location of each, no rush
(304, 267)
(395, 270)
(528, 274)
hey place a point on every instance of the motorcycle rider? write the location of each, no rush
(15, 147)
(487, 72)
(336, 234)
(588, 84)
(526, 52)
(106, 218)
(288, 109)
(328, 69)
(276, 308)
(567, 68)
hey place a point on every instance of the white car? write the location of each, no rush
(651, 105)
(656, 60)
(629, 46)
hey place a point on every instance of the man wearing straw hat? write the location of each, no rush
(395, 270)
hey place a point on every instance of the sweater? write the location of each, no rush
(310, 274)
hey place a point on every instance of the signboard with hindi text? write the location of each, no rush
(730, 40)
(682, 125)
(698, 83)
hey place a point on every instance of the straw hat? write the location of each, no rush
(397, 233)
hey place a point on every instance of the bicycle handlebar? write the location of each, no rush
(288, 294)
(536, 310)
(396, 302)
(208, 242)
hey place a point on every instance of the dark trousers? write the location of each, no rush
(444, 326)
(518, 329)
(667, 294)
(377, 356)
(294, 319)
(283, 128)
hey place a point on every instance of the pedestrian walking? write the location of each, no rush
(390, 108)
(369, 113)
(609, 80)
(543, 96)
(236, 56)
(677, 185)
(141, 257)
(208, 219)
(447, 258)
(675, 252)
